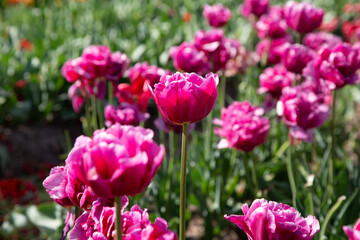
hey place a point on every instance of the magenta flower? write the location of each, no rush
(228, 50)
(120, 160)
(271, 220)
(125, 114)
(119, 63)
(317, 40)
(254, 7)
(55, 185)
(99, 224)
(302, 110)
(274, 79)
(216, 15)
(242, 126)
(75, 95)
(185, 98)
(353, 233)
(71, 70)
(271, 26)
(303, 17)
(296, 56)
(188, 58)
(337, 66)
(209, 41)
(273, 48)
(96, 61)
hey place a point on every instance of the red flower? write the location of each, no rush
(26, 45)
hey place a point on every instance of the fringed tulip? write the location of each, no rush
(254, 7)
(271, 220)
(273, 49)
(216, 15)
(242, 127)
(124, 114)
(318, 40)
(296, 56)
(274, 79)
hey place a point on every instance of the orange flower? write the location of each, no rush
(13, 2)
(26, 45)
(186, 17)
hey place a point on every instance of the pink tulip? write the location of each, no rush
(70, 70)
(208, 41)
(228, 50)
(99, 224)
(303, 17)
(185, 98)
(317, 40)
(255, 7)
(188, 58)
(119, 63)
(353, 233)
(296, 56)
(271, 220)
(302, 110)
(337, 66)
(216, 15)
(273, 48)
(274, 79)
(75, 95)
(242, 127)
(124, 114)
(97, 60)
(120, 160)
(271, 26)
(55, 185)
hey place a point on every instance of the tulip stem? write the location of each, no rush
(77, 212)
(110, 93)
(93, 111)
(118, 223)
(172, 147)
(254, 174)
(208, 139)
(338, 203)
(333, 155)
(184, 143)
(247, 175)
(100, 113)
(289, 168)
(222, 92)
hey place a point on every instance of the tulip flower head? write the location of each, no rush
(267, 220)
(353, 233)
(185, 97)
(216, 15)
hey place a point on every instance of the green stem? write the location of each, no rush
(247, 174)
(338, 203)
(209, 134)
(253, 173)
(289, 168)
(77, 212)
(333, 155)
(93, 112)
(100, 113)
(222, 92)
(184, 143)
(118, 223)
(110, 93)
(88, 117)
(172, 147)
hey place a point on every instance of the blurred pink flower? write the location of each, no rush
(303, 17)
(337, 66)
(255, 7)
(188, 58)
(75, 95)
(353, 233)
(96, 61)
(296, 56)
(121, 160)
(273, 48)
(229, 49)
(55, 185)
(302, 110)
(210, 40)
(271, 25)
(271, 220)
(317, 40)
(185, 97)
(274, 79)
(125, 114)
(216, 15)
(243, 126)
(119, 63)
